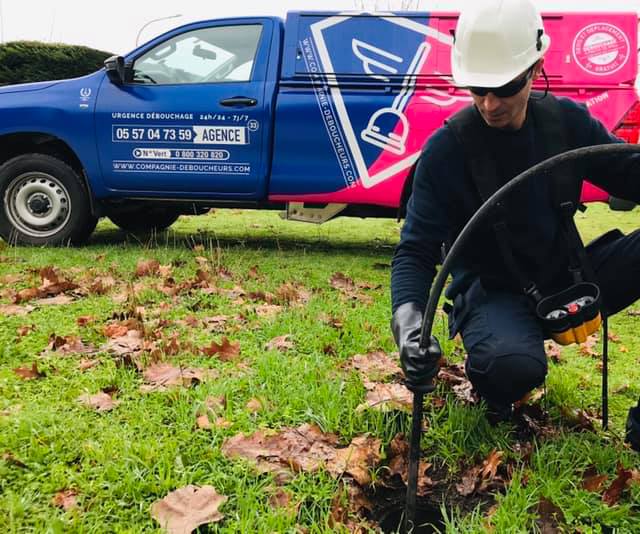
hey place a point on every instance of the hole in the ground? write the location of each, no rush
(428, 520)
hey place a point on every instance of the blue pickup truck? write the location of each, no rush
(321, 114)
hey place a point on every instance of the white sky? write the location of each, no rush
(114, 25)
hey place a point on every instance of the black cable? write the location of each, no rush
(479, 216)
(605, 373)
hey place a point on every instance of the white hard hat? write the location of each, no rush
(495, 41)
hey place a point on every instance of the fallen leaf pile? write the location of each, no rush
(52, 284)
(350, 289)
(308, 449)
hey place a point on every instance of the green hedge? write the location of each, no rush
(34, 61)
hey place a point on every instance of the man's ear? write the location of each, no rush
(537, 70)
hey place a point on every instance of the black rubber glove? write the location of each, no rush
(420, 366)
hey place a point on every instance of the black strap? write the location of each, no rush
(468, 128)
(578, 260)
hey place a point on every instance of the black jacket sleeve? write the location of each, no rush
(425, 228)
(619, 174)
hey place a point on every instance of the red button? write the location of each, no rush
(573, 308)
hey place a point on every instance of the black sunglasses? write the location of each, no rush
(506, 90)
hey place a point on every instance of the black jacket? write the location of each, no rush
(444, 197)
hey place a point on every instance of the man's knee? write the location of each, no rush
(507, 377)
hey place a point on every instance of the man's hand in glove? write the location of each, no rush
(420, 366)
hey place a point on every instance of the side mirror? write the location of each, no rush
(116, 70)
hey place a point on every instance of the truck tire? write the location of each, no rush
(141, 221)
(46, 202)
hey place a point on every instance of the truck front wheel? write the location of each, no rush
(45, 202)
(147, 220)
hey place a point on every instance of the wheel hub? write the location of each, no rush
(39, 204)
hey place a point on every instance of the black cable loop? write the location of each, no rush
(481, 215)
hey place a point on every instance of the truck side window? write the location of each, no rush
(208, 55)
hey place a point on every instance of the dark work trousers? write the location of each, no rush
(505, 341)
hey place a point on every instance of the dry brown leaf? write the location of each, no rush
(349, 288)
(221, 422)
(162, 376)
(185, 509)
(203, 422)
(348, 509)
(267, 310)
(621, 388)
(612, 495)
(580, 420)
(24, 295)
(226, 350)
(254, 405)
(588, 348)
(12, 309)
(280, 343)
(100, 402)
(10, 459)
(147, 268)
(398, 457)
(592, 481)
(29, 373)
(491, 463)
(10, 279)
(65, 499)
(469, 481)
(480, 476)
(554, 351)
(64, 346)
(292, 294)
(85, 365)
(84, 320)
(452, 374)
(102, 285)
(127, 344)
(362, 454)
(615, 338)
(215, 404)
(376, 366)
(281, 499)
(216, 323)
(342, 282)
(550, 517)
(25, 330)
(384, 397)
(115, 330)
(466, 393)
(253, 272)
(59, 300)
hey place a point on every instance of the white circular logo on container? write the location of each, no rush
(601, 49)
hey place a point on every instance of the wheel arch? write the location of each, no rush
(20, 143)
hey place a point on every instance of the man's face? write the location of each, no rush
(507, 113)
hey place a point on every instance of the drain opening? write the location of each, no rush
(428, 520)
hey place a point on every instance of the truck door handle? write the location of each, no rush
(238, 101)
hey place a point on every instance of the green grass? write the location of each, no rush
(121, 461)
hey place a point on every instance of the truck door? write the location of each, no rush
(192, 117)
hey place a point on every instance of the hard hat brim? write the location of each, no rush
(465, 78)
